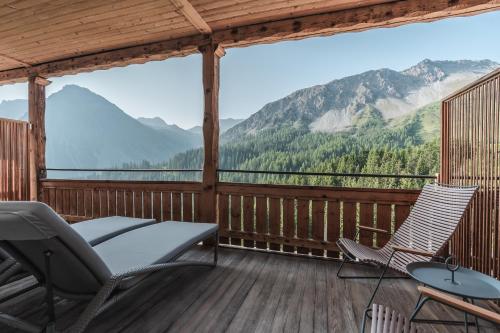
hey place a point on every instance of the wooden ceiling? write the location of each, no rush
(39, 35)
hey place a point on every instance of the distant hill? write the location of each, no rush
(158, 124)
(224, 125)
(87, 131)
(335, 106)
(14, 109)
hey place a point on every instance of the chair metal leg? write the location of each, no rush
(466, 321)
(379, 281)
(340, 268)
(365, 317)
(420, 303)
(347, 277)
(475, 318)
(49, 294)
(216, 248)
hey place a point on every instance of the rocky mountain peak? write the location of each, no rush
(436, 70)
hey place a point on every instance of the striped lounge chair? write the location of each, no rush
(431, 223)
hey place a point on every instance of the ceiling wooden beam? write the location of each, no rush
(14, 60)
(109, 59)
(190, 13)
(348, 20)
(375, 16)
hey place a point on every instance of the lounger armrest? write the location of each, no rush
(412, 251)
(459, 304)
(376, 230)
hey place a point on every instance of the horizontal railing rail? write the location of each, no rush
(121, 170)
(327, 174)
(270, 172)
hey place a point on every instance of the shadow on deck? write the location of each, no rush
(248, 292)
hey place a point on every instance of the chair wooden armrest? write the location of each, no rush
(412, 251)
(362, 227)
(460, 305)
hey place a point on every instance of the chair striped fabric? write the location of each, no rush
(386, 320)
(431, 223)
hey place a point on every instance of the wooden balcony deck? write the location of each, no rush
(248, 292)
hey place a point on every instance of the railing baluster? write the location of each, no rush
(157, 206)
(235, 218)
(333, 225)
(248, 219)
(275, 222)
(302, 223)
(223, 203)
(318, 225)
(383, 222)
(366, 219)
(288, 223)
(261, 226)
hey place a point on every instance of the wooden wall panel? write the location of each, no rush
(14, 160)
(470, 150)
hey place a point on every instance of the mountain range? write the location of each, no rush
(339, 104)
(85, 130)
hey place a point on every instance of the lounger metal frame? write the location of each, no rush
(104, 298)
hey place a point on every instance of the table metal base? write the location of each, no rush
(466, 323)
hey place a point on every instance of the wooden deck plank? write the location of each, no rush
(247, 292)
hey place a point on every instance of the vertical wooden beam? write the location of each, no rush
(211, 60)
(36, 108)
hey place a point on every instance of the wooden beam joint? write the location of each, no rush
(187, 10)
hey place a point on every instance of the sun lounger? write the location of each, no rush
(94, 231)
(69, 267)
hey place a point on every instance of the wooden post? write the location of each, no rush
(211, 60)
(36, 106)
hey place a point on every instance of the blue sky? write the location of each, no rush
(254, 76)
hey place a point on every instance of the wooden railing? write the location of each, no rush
(470, 154)
(78, 200)
(303, 220)
(14, 160)
(307, 219)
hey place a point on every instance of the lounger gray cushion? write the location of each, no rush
(99, 230)
(84, 271)
(157, 243)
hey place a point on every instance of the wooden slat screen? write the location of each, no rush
(14, 160)
(306, 220)
(470, 150)
(78, 200)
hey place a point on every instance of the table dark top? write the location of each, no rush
(468, 283)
